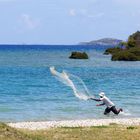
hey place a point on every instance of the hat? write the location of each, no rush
(102, 94)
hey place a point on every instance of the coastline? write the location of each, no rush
(74, 123)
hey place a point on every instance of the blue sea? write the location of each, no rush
(28, 91)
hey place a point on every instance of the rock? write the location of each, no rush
(131, 54)
(134, 40)
(78, 55)
(131, 51)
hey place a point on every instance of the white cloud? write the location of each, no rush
(85, 13)
(29, 22)
(88, 14)
(72, 12)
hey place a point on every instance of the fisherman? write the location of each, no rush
(106, 101)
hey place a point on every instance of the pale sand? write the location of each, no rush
(74, 123)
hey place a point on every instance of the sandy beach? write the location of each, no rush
(74, 123)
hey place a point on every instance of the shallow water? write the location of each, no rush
(28, 91)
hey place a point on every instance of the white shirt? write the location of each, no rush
(107, 102)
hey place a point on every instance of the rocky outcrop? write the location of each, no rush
(134, 40)
(131, 52)
(79, 55)
(124, 56)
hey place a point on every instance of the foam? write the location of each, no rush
(74, 82)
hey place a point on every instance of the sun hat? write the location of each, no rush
(101, 94)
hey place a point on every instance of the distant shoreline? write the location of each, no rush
(74, 123)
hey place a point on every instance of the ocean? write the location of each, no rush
(28, 91)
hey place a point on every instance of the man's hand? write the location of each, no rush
(100, 104)
(91, 98)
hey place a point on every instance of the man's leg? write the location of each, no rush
(107, 110)
(115, 111)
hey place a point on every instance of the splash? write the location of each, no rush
(74, 82)
(126, 113)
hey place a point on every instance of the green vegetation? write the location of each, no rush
(124, 56)
(131, 127)
(131, 52)
(134, 40)
(112, 50)
(8, 133)
(112, 132)
(78, 55)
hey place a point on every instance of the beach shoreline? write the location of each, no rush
(74, 123)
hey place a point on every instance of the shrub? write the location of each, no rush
(131, 127)
(135, 50)
(124, 56)
(131, 42)
(112, 50)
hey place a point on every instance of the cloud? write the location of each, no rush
(72, 12)
(85, 13)
(29, 22)
(88, 14)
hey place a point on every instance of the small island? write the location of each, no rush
(126, 51)
(79, 55)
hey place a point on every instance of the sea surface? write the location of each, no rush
(28, 91)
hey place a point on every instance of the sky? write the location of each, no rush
(67, 21)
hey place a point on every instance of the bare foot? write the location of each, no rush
(121, 109)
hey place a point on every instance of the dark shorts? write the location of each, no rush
(113, 109)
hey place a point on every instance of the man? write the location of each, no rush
(106, 101)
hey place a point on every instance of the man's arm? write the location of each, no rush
(98, 100)
(100, 104)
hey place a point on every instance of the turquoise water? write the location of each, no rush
(28, 91)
